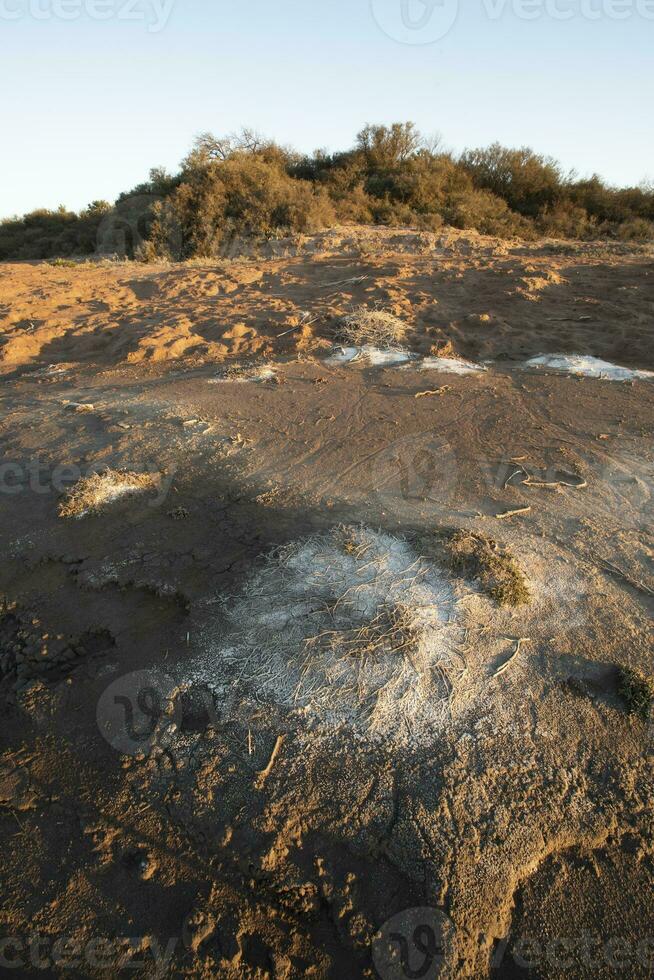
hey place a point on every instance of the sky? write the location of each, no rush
(93, 93)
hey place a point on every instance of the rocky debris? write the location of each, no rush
(29, 652)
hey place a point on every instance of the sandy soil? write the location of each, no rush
(166, 804)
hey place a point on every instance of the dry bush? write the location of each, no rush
(394, 629)
(636, 230)
(487, 214)
(497, 571)
(429, 222)
(395, 214)
(527, 181)
(351, 204)
(371, 328)
(45, 234)
(445, 349)
(242, 186)
(90, 494)
(567, 220)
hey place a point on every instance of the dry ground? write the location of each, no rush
(227, 834)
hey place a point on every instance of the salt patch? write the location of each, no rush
(373, 355)
(450, 365)
(349, 628)
(587, 366)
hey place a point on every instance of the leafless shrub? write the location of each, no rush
(375, 328)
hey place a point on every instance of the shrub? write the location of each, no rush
(486, 213)
(429, 222)
(388, 146)
(636, 230)
(352, 206)
(45, 234)
(567, 220)
(240, 196)
(246, 185)
(527, 181)
(636, 692)
(393, 213)
(375, 327)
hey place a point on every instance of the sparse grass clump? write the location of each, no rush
(496, 570)
(248, 372)
(636, 692)
(90, 494)
(374, 328)
(63, 263)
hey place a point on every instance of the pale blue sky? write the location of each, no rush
(88, 106)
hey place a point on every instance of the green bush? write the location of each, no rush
(243, 195)
(486, 213)
(636, 692)
(527, 181)
(47, 234)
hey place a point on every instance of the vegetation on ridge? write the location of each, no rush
(246, 185)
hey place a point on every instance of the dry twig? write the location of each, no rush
(505, 666)
(262, 776)
(513, 513)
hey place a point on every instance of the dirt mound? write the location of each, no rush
(467, 295)
(256, 719)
